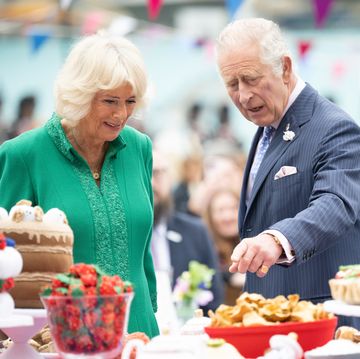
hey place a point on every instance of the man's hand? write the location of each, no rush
(255, 255)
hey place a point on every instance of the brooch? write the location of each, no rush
(288, 135)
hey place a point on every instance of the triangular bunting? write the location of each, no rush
(232, 7)
(303, 48)
(322, 9)
(154, 7)
(37, 40)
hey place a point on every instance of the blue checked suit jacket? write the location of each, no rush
(317, 209)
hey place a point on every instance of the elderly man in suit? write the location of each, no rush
(177, 237)
(300, 201)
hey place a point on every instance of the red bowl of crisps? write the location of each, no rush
(251, 342)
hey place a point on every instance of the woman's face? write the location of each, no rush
(110, 110)
(224, 214)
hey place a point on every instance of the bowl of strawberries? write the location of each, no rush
(87, 312)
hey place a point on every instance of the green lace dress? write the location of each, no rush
(112, 223)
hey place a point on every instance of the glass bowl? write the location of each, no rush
(88, 326)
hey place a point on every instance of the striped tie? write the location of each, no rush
(263, 146)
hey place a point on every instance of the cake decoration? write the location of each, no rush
(45, 241)
(33, 222)
(10, 266)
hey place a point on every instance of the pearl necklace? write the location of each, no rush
(96, 174)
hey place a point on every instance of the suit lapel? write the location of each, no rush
(298, 114)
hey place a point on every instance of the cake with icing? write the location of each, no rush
(45, 241)
(346, 284)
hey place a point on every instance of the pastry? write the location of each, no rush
(346, 284)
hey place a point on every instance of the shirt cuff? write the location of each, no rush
(288, 256)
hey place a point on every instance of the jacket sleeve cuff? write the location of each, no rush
(288, 255)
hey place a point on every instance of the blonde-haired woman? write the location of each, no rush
(221, 216)
(88, 163)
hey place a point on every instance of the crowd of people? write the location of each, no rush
(280, 221)
(24, 120)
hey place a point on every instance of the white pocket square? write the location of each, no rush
(285, 171)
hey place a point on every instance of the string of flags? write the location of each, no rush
(321, 8)
(92, 21)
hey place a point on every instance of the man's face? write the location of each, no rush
(259, 94)
(161, 182)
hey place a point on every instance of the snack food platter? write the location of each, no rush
(341, 308)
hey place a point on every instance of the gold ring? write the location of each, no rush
(264, 269)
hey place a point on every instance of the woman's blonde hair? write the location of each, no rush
(97, 62)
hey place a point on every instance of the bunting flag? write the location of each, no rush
(322, 9)
(37, 40)
(92, 22)
(232, 7)
(338, 70)
(154, 7)
(303, 48)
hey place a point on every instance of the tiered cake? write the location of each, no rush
(45, 242)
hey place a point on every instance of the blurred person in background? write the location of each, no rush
(88, 163)
(300, 200)
(177, 237)
(224, 133)
(25, 117)
(220, 169)
(195, 129)
(3, 128)
(221, 216)
(191, 174)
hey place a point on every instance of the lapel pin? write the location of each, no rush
(288, 135)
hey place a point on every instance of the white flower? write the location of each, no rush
(204, 297)
(288, 135)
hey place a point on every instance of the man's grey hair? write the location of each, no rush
(256, 30)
